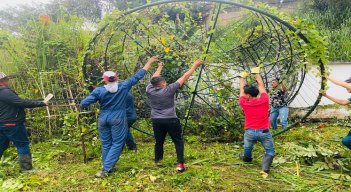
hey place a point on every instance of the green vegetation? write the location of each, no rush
(332, 19)
(306, 161)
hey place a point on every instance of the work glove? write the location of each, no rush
(244, 74)
(255, 70)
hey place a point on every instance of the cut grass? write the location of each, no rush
(210, 167)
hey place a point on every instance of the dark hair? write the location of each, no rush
(348, 80)
(276, 79)
(112, 79)
(251, 90)
(155, 81)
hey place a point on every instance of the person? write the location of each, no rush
(254, 101)
(347, 85)
(163, 112)
(112, 124)
(279, 105)
(12, 122)
(131, 118)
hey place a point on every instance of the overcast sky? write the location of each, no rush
(7, 3)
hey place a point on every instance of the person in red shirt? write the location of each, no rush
(254, 101)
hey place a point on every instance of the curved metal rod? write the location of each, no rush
(290, 27)
(202, 67)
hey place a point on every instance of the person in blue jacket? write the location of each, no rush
(112, 124)
(131, 118)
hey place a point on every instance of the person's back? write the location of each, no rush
(256, 112)
(112, 124)
(254, 101)
(163, 112)
(162, 100)
(112, 103)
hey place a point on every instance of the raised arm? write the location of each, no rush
(187, 75)
(259, 80)
(149, 63)
(340, 83)
(141, 73)
(336, 100)
(242, 84)
(260, 84)
(158, 70)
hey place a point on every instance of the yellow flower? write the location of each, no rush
(166, 49)
(172, 36)
(163, 41)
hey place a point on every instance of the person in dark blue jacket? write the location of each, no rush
(12, 122)
(131, 118)
(112, 124)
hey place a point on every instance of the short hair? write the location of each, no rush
(348, 80)
(251, 90)
(155, 81)
(276, 79)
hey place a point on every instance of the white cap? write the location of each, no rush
(3, 75)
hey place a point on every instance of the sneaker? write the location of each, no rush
(101, 174)
(180, 167)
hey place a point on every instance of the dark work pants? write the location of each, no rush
(161, 128)
(16, 133)
(130, 139)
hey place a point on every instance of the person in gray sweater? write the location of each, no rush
(163, 112)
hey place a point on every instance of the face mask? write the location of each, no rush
(112, 87)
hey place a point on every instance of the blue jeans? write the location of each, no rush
(251, 136)
(347, 140)
(113, 134)
(130, 139)
(283, 113)
(16, 133)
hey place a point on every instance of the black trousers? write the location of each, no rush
(173, 127)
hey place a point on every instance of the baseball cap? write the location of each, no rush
(3, 75)
(109, 76)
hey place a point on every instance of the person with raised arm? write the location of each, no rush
(254, 101)
(163, 112)
(347, 85)
(112, 124)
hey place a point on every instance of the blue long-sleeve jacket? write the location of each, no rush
(113, 105)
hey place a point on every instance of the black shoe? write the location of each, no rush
(25, 161)
(267, 162)
(244, 158)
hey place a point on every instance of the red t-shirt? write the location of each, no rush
(256, 112)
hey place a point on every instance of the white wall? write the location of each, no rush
(309, 90)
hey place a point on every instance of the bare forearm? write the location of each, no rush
(242, 85)
(190, 72)
(157, 72)
(340, 83)
(338, 101)
(186, 75)
(260, 83)
(147, 65)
